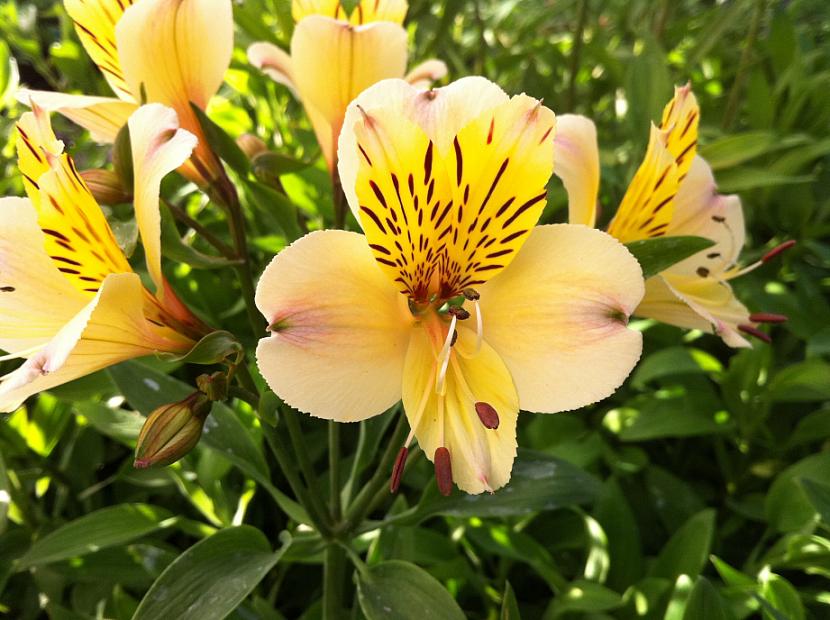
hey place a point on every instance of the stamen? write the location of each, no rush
(752, 331)
(471, 294)
(443, 471)
(777, 250)
(397, 470)
(444, 355)
(488, 415)
(458, 312)
(479, 325)
(702, 272)
(768, 317)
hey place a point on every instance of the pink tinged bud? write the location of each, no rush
(397, 470)
(757, 333)
(768, 317)
(251, 145)
(488, 415)
(171, 431)
(106, 187)
(443, 471)
(777, 250)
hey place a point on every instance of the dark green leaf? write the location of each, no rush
(819, 495)
(787, 507)
(509, 604)
(705, 602)
(660, 253)
(212, 349)
(688, 549)
(174, 247)
(221, 143)
(274, 207)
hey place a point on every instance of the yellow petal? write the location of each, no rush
(109, 329)
(482, 458)
(680, 120)
(647, 207)
(177, 52)
(441, 113)
(36, 300)
(77, 235)
(158, 148)
(305, 8)
(95, 22)
(103, 117)
(274, 62)
(558, 315)
(368, 11)
(693, 302)
(423, 75)
(339, 328)
(439, 222)
(333, 62)
(576, 162)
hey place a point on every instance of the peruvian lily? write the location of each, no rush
(70, 303)
(335, 56)
(150, 51)
(673, 193)
(453, 300)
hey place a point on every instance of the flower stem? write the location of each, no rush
(733, 103)
(334, 471)
(334, 564)
(339, 199)
(306, 466)
(180, 214)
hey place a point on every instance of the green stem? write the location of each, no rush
(180, 214)
(302, 459)
(576, 53)
(334, 564)
(334, 471)
(339, 199)
(734, 101)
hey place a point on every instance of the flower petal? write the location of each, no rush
(333, 62)
(693, 302)
(680, 120)
(103, 117)
(274, 62)
(301, 9)
(159, 146)
(36, 300)
(368, 11)
(482, 458)
(109, 329)
(339, 328)
(558, 315)
(423, 75)
(95, 22)
(576, 162)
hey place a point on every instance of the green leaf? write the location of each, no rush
(585, 596)
(212, 349)
(819, 495)
(269, 165)
(221, 143)
(509, 604)
(660, 253)
(5, 497)
(398, 590)
(274, 207)
(211, 578)
(688, 549)
(673, 361)
(174, 247)
(737, 148)
(705, 602)
(781, 594)
(113, 422)
(803, 382)
(103, 528)
(787, 506)
(744, 178)
(648, 86)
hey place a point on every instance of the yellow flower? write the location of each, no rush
(334, 57)
(673, 193)
(168, 51)
(454, 301)
(70, 303)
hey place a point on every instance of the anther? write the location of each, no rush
(397, 470)
(458, 312)
(777, 250)
(488, 415)
(443, 471)
(757, 333)
(471, 294)
(702, 272)
(768, 317)
(454, 337)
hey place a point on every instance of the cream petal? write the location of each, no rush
(441, 113)
(423, 75)
(36, 300)
(557, 316)
(159, 146)
(576, 162)
(103, 117)
(333, 62)
(339, 328)
(109, 329)
(482, 458)
(274, 62)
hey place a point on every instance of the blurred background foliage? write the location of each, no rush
(700, 490)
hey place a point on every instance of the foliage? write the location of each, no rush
(699, 490)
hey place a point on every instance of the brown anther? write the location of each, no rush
(397, 469)
(777, 250)
(443, 471)
(719, 219)
(768, 317)
(488, 415)
(752, 331)
(471, 294)
(458, 312)
(702, 272)
(454, 337)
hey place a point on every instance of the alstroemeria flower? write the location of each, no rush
(69, 301)
(335, 56)
(673, 193)
(453, 301)
(167, 51)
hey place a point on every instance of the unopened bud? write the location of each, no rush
(171, 431)
(443, 471)
(488, 415)
(214, 386)
(251, 145)
(397, 470)
(106, 186)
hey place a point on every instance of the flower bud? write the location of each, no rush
(106, 186)
(251, 145)
(214, 386)
(171, 431)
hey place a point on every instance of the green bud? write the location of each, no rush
(171, 431)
